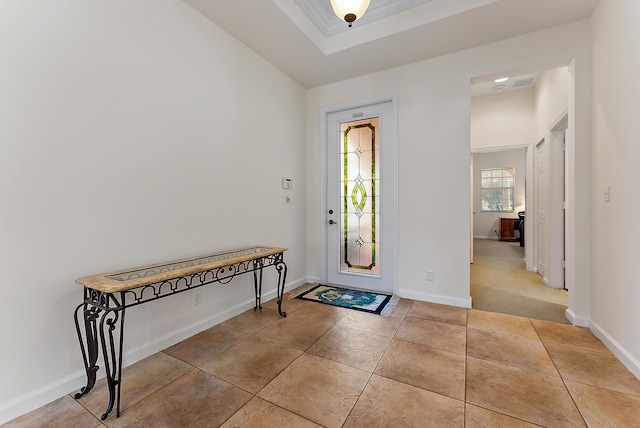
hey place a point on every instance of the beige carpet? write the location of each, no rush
(500, 283)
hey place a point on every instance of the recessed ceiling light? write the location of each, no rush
(502, 79)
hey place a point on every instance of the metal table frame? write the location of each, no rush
(99, 320)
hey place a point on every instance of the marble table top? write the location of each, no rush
(113, 282)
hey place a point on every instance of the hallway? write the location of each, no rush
(500, 283)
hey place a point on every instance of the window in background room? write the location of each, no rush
(497, 189)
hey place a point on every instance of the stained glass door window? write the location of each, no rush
(360, 199)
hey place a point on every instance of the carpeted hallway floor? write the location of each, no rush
(500, 283)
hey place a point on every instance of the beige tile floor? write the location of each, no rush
(426, 365)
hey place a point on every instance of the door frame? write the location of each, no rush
(529, 251)
(391, 151)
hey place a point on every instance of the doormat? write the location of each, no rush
(359, 300)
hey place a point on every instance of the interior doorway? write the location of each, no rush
(505, 276)
(500, 280)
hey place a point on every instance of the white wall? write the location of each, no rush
(616, 155)
(434, 115)
(551, 100)
(486, 223)
(132, 132)
(504, 119)
(552, 120)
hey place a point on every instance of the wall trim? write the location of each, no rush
(576, 320)
(492, 238)
(41, 396)
(66, 385)
(314, 280)
(619, 351)
(436, 298)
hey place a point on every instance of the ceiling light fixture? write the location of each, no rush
(350, 10)
(502, 79)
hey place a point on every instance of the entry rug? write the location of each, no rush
(365, 301)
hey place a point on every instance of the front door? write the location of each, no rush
(361, 198)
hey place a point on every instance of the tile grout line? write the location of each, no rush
(564, 383)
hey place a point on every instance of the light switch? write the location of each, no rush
(287, 183)
(607, 193)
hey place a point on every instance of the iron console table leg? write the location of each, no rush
(257, 282)
(102, 315)
(88, 343)
(281, 268)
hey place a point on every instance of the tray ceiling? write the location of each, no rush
(296, 35)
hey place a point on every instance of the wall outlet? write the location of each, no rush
(429, 275)
(196, 298)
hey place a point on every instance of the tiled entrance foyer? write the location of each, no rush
(426, 365)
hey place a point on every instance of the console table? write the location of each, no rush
(99, 319)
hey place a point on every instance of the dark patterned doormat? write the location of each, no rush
(359, 300)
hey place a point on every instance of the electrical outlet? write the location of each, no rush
(429, 275)
(196, 298)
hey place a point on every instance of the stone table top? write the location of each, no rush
(114, 282)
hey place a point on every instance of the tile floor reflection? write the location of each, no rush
(426, 365)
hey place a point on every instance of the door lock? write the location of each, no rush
(332, 222)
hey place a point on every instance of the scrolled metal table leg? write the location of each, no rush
(112, 352)
(281, 267)
(257, 283)
(90, 351)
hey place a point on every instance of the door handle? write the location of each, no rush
(332, 222)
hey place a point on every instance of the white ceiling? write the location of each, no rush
(398, 32)
(480, 87)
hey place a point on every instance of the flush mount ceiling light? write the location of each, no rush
(502, 79)
(350, 10)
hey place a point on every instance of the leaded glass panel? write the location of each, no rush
(360, 192)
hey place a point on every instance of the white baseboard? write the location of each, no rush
(436, 298)
(48, 393)
(625, 357)
(41, 396)
(576, 320)
(618, 350)
(493, 238)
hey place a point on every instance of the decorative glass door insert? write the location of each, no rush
(360, 199)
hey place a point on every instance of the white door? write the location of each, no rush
(361, 198)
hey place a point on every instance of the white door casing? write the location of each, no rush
(383, 277)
